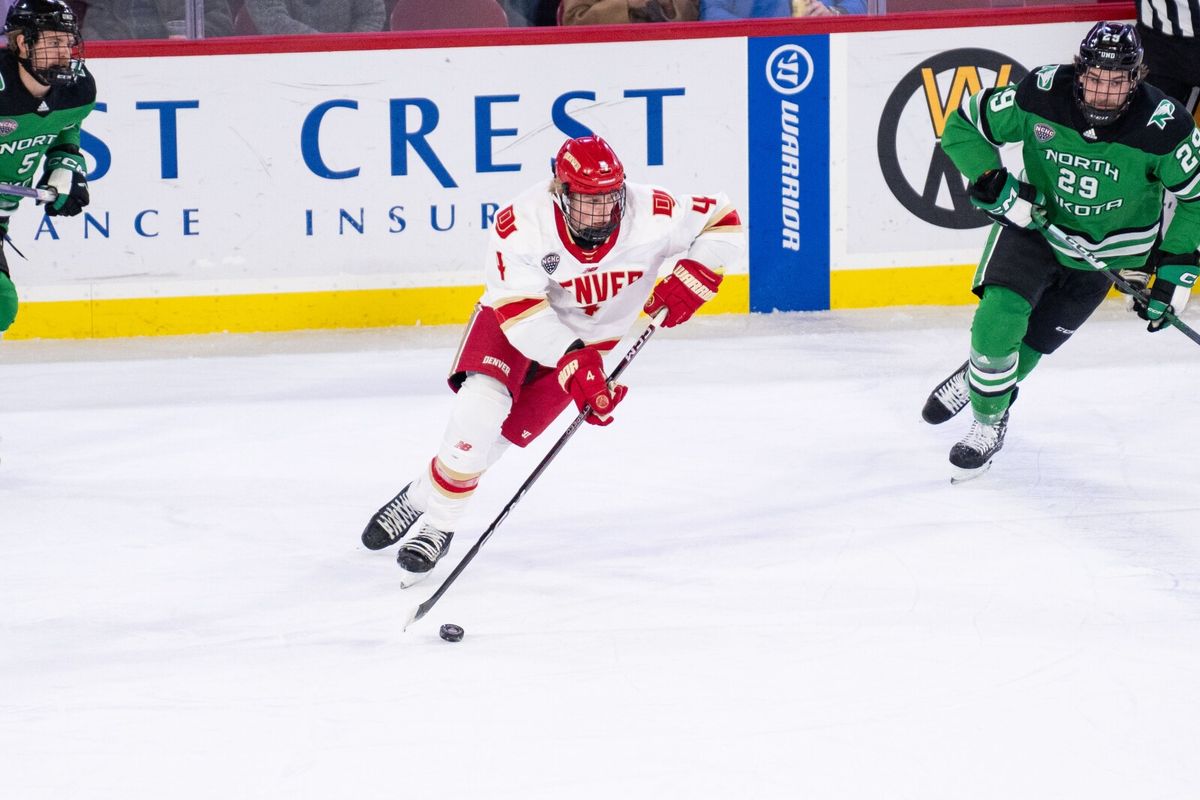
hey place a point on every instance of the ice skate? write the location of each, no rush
(420, 554)
(948, 398)
(972, 455)
(390, 523)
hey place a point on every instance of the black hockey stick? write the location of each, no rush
(45, 194)
(423, 609)
(1122, 284)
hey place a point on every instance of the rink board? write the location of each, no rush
(275, 184)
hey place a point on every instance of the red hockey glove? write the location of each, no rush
(581, 375)
(689, 286)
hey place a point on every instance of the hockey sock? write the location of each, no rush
(8, 302)
(1028, 360)
(996, 332)
(480, 408)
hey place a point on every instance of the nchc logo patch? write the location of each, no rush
(1043, 132)
(921, 175)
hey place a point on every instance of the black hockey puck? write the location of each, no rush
(451, 633)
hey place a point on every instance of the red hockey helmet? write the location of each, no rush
(588, 165)
(591, 190)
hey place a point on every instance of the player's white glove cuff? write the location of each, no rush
(60, 180)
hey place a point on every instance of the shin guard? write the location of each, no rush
(997, 332)
(480, 408)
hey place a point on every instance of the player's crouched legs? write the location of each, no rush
(469, 446)
(467, 449)
(8, 301)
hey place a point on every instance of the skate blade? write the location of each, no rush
(409, 579)
(963, 475)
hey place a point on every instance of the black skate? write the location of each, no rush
(418, 555)
(948, 398)
(390, 523)
(972, 455)
(952, 396)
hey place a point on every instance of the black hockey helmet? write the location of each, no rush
(1114, 47)
(33, 18)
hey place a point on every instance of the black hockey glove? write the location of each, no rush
(1005, 199)
(1174, 276)
(65, 173)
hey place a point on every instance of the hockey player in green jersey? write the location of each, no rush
(1100, 149)
(45, 92)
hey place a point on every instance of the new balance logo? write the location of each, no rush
(464, 446)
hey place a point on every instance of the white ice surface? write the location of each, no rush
(758, 583)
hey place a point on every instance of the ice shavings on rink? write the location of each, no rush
(758, 583)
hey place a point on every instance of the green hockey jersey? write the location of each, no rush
(1104, 186)
(29, 126)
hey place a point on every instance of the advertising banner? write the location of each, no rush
(242, 190)
(789, 158)
(896, 200)
(362, 170)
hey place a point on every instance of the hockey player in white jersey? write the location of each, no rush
(570, 265)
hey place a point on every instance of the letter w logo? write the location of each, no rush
(966, 82)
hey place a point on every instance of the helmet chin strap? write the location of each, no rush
(587, 238)
(57, 75)
(33, 71)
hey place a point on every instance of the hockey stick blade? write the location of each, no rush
(1064, 238)
(634, 349)
(43, 195)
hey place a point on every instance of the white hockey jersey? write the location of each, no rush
(547, 292)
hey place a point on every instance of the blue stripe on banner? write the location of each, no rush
(789, 172)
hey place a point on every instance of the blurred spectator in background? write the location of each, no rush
(151, 19)
(1168, 30)
(527, 13)
(602, 12)
(317, 16)
(745, 9)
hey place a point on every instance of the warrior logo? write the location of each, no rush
(1043, 132)
(550, 262)
(7, 126)
(789, 69)
(936, 88)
